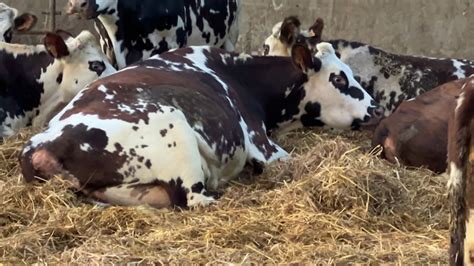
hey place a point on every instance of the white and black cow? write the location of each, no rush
(169, 129)
(138, 29)
(10, 20)
(36, 82)
(461, 176)
(389, 78)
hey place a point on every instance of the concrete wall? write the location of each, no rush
(39, 8)
(427, 27)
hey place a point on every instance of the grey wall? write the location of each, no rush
(427, 27)
(39, 7)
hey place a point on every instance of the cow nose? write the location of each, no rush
(76, 6)
(378, 112)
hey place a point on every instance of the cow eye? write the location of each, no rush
(8, 35)
(266, 49)
(339, 80)
(97, 66)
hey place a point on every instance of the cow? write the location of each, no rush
(416, 134)
(10, 20)
(138, 29)
(461, 178)
(37, 81)
(170, 130)
(389, 78)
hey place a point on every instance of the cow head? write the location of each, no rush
(10, 20)
(78, 62)
(332, 96)
(91, 9)
(288, 32)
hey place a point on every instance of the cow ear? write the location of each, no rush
(290, 28)
(316, 30)
(302, 57)
(55, 45)
(25, 22)
(64, 34)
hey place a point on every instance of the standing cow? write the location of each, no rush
(138, 29)
(169, 129)
(389, 78)
(10, 21)
(461, 177)
(37, 81)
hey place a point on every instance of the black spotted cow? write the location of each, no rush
(37, 81)
(10, 20)
(169, 129)
(389, 78)
(461, 177)
(138, 29)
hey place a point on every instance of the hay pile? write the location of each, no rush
(333, 203)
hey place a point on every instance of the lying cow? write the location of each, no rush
(138, 29)
(169, 129)
(416, 134)
(388, 77)
(36, 82)
(10, 21)
(461, 181)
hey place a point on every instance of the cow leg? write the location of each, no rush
(177, 161)
(229, 46)
(131, 195)
(233, 35)
(469, 241)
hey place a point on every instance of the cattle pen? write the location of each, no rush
(334, 202)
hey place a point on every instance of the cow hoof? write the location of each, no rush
(201, 200)
(97, 203)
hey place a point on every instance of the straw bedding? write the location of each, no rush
(334, 202)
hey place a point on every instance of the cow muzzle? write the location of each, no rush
(82, 8)
(376, 115)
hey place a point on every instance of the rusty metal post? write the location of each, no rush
(52, 15)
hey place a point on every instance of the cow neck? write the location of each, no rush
(442, 68)
(272, 85)
(110, 23)
(26, 66)
(52, 79)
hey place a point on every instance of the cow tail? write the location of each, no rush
(459, 148)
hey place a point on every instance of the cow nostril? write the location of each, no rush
(83, 4)
(379, 112)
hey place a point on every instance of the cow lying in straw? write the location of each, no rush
(168, 130)
(416, 134)
(36, 82)
(389, 78)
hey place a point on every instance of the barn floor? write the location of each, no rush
(333, 203)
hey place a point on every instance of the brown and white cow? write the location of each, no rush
(389, 78)
(37, 81)
(416, 134)
(10, 20)
(461, 177)
(132, 30)
(167, 130)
